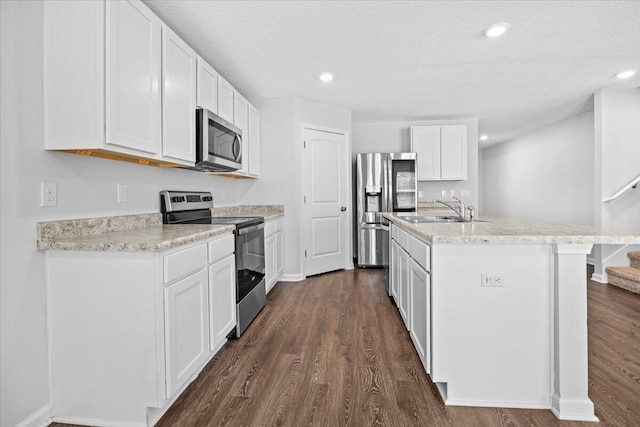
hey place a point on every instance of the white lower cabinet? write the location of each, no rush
(394, 270)
(403, 284)
(186, 320)
(270, 262)
(130, 330)
(273, 252)
(222, 300)
(410, 262)
(419, 321)
(279, 253)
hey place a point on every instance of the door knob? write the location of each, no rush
(344, 208)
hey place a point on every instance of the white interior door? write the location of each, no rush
(326, 184)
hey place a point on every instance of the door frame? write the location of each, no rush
(347, 188)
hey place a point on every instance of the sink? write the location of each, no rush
(424, 219)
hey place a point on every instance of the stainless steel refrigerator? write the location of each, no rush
(385, 182)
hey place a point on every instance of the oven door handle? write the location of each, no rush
(246, 230)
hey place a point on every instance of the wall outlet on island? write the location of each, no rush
(492, 280)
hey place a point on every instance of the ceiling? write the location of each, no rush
(419, 60)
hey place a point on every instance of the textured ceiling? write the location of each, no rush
(396, 60)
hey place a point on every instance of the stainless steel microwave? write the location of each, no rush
(218, 143)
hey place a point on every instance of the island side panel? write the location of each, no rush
(491, 345)
(103, 325)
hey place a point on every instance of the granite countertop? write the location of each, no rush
(138, 233)
(269, 212)
(513, 231)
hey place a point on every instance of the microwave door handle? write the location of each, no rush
(237, 146)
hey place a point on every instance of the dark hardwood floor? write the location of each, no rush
(332, 351)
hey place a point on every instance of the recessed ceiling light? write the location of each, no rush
(484, 137)
(496, 30)
(626, 74)
(326, 77)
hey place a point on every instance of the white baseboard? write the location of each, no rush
(349, 266)
(291, 277)
(96, 422)
(600, 278)
(40, 418)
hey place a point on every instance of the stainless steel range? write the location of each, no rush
(192, 207)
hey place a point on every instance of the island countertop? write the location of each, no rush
(500, 230)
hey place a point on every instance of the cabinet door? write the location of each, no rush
(254, 141)
(394, 270)
(419, 324)
(222, 300)
(270, 262)
(241, 120)
(453, 150)
(279, 254)
(225, 99)
(425, 141)
(179, 63)
(186, 319)
(132, 93)
(403, 283)
(207, 96)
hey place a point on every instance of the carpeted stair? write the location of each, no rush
(627, 277)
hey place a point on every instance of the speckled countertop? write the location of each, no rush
(137, 233)
(513, 231)
(269, 212)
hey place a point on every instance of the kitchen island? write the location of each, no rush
(497, 310)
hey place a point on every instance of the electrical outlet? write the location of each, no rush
(443, 193)
(420, 194)
(122, 193)
(49, 194)
(452, 193)
(492, 280)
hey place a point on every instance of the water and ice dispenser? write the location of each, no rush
(373, 198)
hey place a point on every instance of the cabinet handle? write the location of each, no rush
(342, 209)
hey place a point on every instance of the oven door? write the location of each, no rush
(219, 143)
(249, 259)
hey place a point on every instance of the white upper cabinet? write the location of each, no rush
(179, 63)
(132, 76)
(241, 120)
(254, 141)
(207, 87)
(442, 152)
(425, 140)
(453, 152)
(225, 100)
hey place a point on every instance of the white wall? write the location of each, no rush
(546, 175)
(617, 161)
(282, 175)
(393, 137)
(86, 188)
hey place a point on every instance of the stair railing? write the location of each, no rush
(630, 185)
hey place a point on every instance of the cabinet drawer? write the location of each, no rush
(269, 228)
(403, 239)
(221, 248)
(420, 252)
(180, 263)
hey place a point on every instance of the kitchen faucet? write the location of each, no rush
(459, 211)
